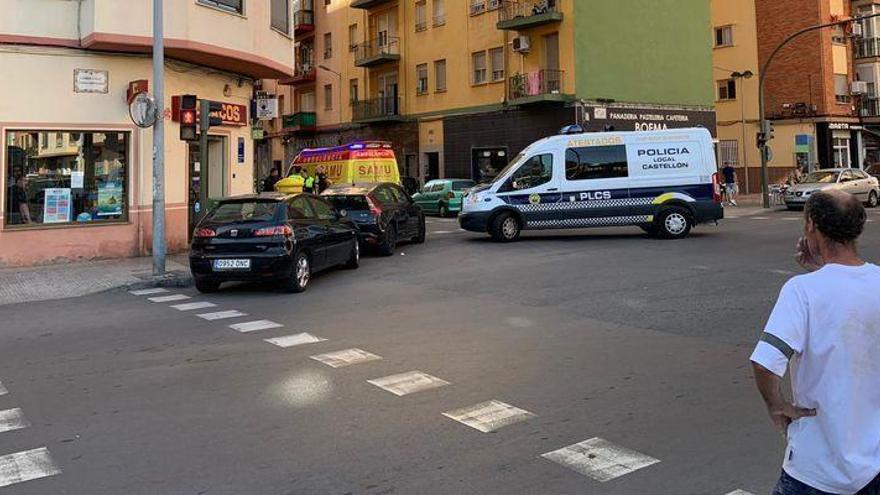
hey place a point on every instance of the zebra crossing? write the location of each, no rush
(28, 465)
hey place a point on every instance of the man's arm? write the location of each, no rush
(25, 212)
(782, 412)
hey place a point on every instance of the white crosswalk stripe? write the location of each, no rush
(222, 315)
(171, 298)
(194, 305)
(255, 326)
(408, 383)
(26, 466)
(489, 416)
(12, 419)
(147, 292)
(600, 459)
(295, 340)
(348, 357)
(740, 492)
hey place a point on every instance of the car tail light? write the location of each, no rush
(205, 232)
(374, 208)
(284, 230)
(716, 187)
(450, 195)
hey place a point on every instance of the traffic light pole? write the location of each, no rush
(204, 126)
(159, 247)
(765, 124)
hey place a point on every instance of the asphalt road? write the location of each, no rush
(638, 345)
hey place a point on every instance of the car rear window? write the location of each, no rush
(348, 202)
(461, 185)
(244, 211)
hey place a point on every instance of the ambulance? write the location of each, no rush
(358, 162)
(665, 182)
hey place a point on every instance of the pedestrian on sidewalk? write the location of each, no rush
(729, 182)
(269, 182)
(825, 329)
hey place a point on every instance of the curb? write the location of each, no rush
(175, 278)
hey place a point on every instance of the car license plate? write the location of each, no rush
(232, 264)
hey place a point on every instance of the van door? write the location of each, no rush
(533, 189)
(596, 186)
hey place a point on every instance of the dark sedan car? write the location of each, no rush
(384, 213)
(271, 237)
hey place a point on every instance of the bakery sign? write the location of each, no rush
(651, 119)
(232, 114)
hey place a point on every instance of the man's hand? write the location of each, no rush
(783, 414)
(807, 258)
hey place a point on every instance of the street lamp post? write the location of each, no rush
(159, 247)
(741, 76)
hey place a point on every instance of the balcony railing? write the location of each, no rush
(303, 73)
(376, 109)
(303, 22)
(867, 47)
(367, 4)
(377, 51)
(540, 85)
(871, 107)
(524, 14)
(299, 122)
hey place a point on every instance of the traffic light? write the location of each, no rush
(208, 120)
(188, 121)
(760, 140)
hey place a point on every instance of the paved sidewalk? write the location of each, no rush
(78, 279)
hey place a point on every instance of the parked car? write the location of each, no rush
(271, 237)
(443, 196)
(383, 213)
(851, 180)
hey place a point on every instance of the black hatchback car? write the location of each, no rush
(271, 237)
(383, 212)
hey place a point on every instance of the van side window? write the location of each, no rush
(535, 171)
(596, 162)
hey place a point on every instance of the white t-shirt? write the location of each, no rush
(828, 323)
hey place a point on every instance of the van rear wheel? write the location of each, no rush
(505, 228)
(674, 223)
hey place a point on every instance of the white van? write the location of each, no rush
(665, 182)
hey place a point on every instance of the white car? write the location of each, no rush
(851, 180)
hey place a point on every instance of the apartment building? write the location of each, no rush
(461, 86)
(77, 173)
(867, 73)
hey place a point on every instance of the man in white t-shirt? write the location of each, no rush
(827, 324)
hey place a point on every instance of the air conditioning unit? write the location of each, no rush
(522, 44)
(858, 87)
(856, 30)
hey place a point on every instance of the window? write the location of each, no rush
(328, 97)
(227, 5)
(281, 15)
(535, 171)
(322, 209)
(384, 196)
(307, 102)
(596, 162)
(841, 88)
(299, 209)
(723, 36)
(328, 45)
(399, 195)
(243, 211)
(421, 15)
(840, 146)
(479, 64)
(729, 150)
(838, 35)
(352, 37)
(478, 6)
(439, 12)
(422, 79)
(493, 4)
(462, 185)
(496, 57)
(353, 91)
(727, 89)
(440, 75)
(82, 181)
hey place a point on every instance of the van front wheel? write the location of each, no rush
(674, 223)
(505, 228)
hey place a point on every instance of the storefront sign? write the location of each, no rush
(56, 205)
(232, 114)
(110, 199)
(647, 119)
(838, 126)
(91, 81)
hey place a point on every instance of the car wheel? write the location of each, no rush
(505, 228)
(674, 223)
(872, 199)
(420, 238)
(389, 241)
(354, 259)
(299, 275)
(207, 286)
(444, 210)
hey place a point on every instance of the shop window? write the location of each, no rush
(841, 152)
(596, 162)
(83, 179)
(236, 6)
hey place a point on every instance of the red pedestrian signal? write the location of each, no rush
(188, 118)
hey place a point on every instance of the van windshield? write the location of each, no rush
(517, 160)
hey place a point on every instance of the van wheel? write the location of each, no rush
(505, 228)
(674, 223)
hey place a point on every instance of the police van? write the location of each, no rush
(665, 182)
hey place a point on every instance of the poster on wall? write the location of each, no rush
(110, 199)
(56, 205)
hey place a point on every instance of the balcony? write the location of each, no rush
(867, 47)
(382, 109)
(378, 51)
(543, 85)
(303, 74)
(299, 122)
(517, 15)
(368, 4)
(303, 22)
(870, 107)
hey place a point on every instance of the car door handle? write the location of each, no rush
(553, 189)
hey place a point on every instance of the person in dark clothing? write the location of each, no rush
(321, 179)
(729, 182)
(269, 182)
(18, 202)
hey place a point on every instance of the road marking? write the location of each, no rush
(222, 315)
(740, 492)
(600, 459)
(408, 383)
(173, 297)
(3, 390)
(760, 218)
(347, 357)
(194, 305)
(701, 267)
(782, 272)
(147, 292)
(12, 419)
(489, 416)
(294, 340)
(254, 326)
(26, 466)
(442, 232)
